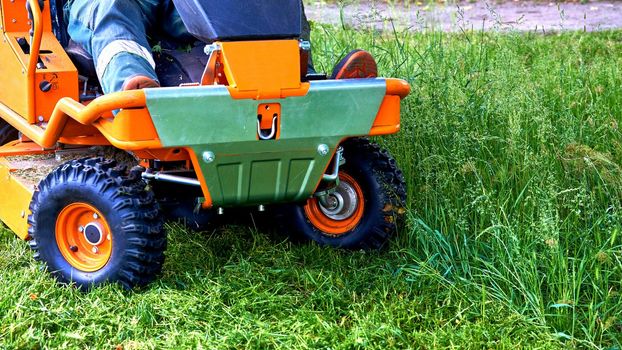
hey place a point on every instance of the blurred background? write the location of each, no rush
(458, 15)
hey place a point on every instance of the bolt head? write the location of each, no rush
(323, 150)
(95, 250)
(95, 216)
(209, 157)
(81, 229)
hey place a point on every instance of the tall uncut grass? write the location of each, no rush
(511, 148)
(512, 151)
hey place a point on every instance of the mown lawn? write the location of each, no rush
(512, 152)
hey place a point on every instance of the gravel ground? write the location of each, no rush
(509, 15)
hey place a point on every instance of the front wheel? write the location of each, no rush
(362, 212)
(92, 223)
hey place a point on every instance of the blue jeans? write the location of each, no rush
(114, 32)
(117, 34)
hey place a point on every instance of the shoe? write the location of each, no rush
(357, 64)
(139, 82)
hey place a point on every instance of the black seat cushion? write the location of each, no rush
(175, 67)
(81, 59)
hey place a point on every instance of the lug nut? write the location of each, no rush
(95, 216)
(81, 229)
(95, 250)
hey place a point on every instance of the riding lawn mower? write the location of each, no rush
(87, 178)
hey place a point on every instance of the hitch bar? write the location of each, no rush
(171, 178)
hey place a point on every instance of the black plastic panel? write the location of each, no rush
(226, 20)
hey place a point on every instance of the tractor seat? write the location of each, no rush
(173, 67)
(81, 59)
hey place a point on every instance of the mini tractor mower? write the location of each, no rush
(88, 178)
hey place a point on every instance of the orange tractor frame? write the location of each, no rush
(40, 98)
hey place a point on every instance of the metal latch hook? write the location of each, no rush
(260, 132)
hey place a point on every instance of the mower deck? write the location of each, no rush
(17, 190)
(20, 175)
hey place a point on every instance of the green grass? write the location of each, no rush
(512, 153)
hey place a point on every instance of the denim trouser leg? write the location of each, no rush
(114, 33)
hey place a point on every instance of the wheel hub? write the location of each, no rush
(341, 204)
(84, 237)
(93, 234)
(338, 212)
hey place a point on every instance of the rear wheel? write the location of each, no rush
(93, 223)
(363, 210)
(7, 132)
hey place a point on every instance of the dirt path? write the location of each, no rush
(517, 15)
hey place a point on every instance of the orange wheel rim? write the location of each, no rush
(338, 221)
(84, 237)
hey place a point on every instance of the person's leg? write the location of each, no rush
(114, 33)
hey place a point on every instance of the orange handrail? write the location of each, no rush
(35, 46)
(66, 108)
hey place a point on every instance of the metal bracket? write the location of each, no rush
(210, 73)
(325, 195)
(339, 160)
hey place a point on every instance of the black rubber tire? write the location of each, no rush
(129, 208)
(384, 189)
(7, 132)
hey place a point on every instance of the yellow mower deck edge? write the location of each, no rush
(15, 198)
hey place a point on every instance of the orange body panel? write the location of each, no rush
(130, 125)
(15, 17)
(388, 119)
(15, 198)
(246, 64)
(19, 148)
(60, 73)
(14, 90)
(24, 95)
